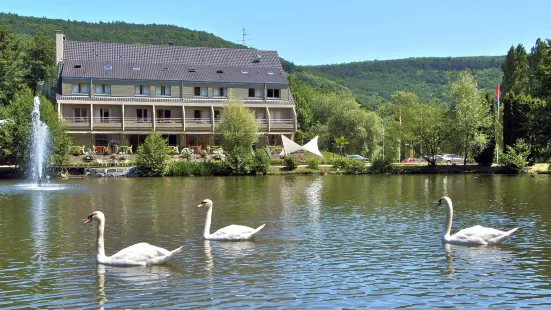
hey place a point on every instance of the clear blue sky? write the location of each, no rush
(325, 32)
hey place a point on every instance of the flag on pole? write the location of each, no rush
(497, 91)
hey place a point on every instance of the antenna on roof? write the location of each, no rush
(245, 32)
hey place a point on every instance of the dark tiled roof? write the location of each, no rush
(169, 100)
(176, 60)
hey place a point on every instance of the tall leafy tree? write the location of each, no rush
(515, 71)
(11, 65)
(540, 64)
(238, 128)
(424, 127)
(470, 116)
(40, 60)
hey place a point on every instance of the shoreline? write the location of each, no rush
(10, 172)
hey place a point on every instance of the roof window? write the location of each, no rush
(136, 68)
(219, 71)
(107, 67)
(164, 69)
(77, 66)
(244, 71)
(191, 70)
(270, 73)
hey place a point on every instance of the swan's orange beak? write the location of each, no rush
(88, 220)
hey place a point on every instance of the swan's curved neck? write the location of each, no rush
(101, 248)
(448, 221)
(206, 232)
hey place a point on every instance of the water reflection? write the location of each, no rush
(471, 258)
(39, 230)
(100, 280)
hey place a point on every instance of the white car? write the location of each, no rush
(453, 159)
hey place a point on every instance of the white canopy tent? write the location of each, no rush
(289, 146)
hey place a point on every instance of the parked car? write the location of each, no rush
(453, 159)
(410, 160)
(358, 157)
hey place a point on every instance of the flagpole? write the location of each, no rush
(497, 146)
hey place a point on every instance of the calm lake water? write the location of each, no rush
(329, 242)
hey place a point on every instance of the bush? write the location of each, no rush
(486, 156)
(239, 161)
(151, 159)
(340, 163)
(516, 157)
(192, 168)
(313, 163)
(355, 166)
(290, 162)
(380, 165)
(261, 162)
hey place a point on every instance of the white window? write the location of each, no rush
(256, 93)
(142, 90)
(162, 91)
(272, 93)
(103, 89)
(80, 114)
(220, 92)
(201, 92)
(81, 89)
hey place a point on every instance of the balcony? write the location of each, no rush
(262, 124)
(174, 122)
(107, 123)
(200, 124)
(138, 123)
(77, 122)
(282, 123)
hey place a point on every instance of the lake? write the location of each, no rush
(329, 242)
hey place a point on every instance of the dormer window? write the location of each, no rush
(272, 93)
(220, 92)
(103, 89)
(256, 93)
(142, 90)
(200, 92)
(81, 89)
(162, 91)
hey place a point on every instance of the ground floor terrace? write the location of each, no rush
(129, 142)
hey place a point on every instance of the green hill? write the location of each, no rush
(114, 32)
(373, 81)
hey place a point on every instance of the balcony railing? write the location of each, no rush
(202, 120)
(107, 122)
(138, 122)
(169, 122)
(77, 122)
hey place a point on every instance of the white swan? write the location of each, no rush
(140, 254)
(228, 233)
(476, 235)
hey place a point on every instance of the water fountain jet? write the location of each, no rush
(40, 138)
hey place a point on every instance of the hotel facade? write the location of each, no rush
(113, 94)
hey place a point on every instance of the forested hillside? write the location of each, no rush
(373, 81)
(119, 32)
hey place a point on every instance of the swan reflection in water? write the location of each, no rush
(460, 258)
(152, 277)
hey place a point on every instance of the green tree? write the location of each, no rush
(424, 127)
(15, 136)
(238, 128)
(11, 66)
(361, 128)
(152, 155)
(471, 118)
(515, 71)
(540, 64)
(40, 60)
